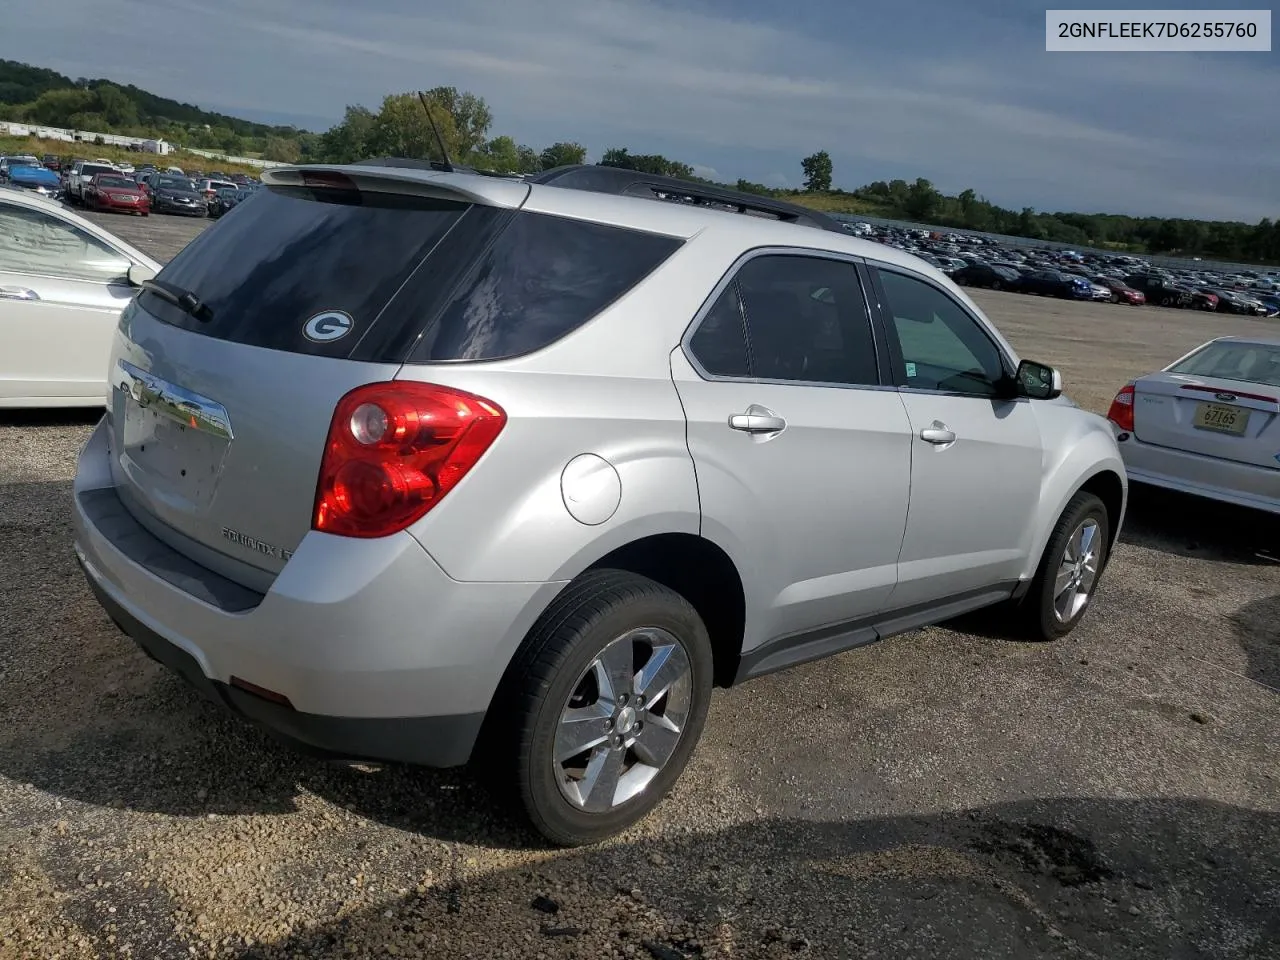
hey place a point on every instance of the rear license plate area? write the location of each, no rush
(173, 455)
(1221, 418)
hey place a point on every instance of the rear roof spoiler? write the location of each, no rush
(419, 177)
(633, 183)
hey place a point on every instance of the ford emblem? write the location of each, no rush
(1226, 397)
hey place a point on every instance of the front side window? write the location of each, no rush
(943, 347)
(37, 243)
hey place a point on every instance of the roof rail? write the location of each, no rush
(633, 183)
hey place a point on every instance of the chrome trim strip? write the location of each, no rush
(172, 401)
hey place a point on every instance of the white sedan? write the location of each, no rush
(63, 282)
(1208, 424)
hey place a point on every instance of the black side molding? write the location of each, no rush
(795, 649)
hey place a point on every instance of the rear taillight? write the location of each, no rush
(1121, 412)
(394, 450)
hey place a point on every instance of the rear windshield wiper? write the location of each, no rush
(184, 300)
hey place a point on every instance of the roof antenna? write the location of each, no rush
(444, 152)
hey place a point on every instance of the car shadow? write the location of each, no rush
(85, 715)
(1257, 626)
(1187, 526)
(1043, 878)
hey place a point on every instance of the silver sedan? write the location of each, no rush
(63, 282)
(1208, 424)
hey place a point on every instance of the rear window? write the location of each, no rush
(1230, 360)
(544, 277)
(394, 277)
(89, 169)
(292, 254)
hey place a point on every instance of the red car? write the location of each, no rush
(1121, 292)
(114, 191)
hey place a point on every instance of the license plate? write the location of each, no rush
(1221, 417)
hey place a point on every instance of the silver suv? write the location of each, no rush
(410, 464)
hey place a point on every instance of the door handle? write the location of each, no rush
(938, 433)
(18, 293)
(757, 419)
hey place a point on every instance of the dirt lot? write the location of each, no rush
(943, 794)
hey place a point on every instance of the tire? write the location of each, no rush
(997, 285)
(1040, 617)
(556, 667)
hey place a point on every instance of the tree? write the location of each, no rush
(469, 118)
(817, 171)
(349, 140)
(281, 150)
(922, 199)
(528, 160)
(563, 153)
(501, 154)
(401, 129)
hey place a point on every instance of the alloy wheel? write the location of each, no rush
(1077, 572)
(623, 720)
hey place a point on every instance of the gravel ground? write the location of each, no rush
(943, 794)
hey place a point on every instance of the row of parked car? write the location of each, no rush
(119, 187)
(980, 262)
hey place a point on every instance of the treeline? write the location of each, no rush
(40, 96)
(399, 127)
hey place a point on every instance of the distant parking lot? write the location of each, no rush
(944, 794)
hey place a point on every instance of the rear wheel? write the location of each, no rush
(603, 706)
(1069, 570)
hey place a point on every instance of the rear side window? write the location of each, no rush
(290, 255)
(542, 278)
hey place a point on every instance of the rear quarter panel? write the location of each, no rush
(604, 389)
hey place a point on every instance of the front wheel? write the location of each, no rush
(603, 705)
(1069, 569)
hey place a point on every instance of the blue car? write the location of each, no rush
(35, 178)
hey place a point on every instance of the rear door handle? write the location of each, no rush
(938, 433)
(18, 293)
(757, 419)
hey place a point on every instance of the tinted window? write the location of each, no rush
(37, 243)
(1234, 360)
(543, 278)
(807, 320)
(943, 347)
(720, 342)
(90, 169)
(291, 253)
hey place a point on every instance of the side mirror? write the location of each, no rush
(139, 274)
(1039, 381)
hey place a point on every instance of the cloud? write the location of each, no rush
(966, 97)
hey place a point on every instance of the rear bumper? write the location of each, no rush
(380, 654)
(1240, 484)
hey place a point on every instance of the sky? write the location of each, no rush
(964, 95)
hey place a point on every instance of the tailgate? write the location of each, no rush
(226, 371)
(216, 446)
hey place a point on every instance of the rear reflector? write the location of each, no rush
(262, 692)
(1121, 412)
